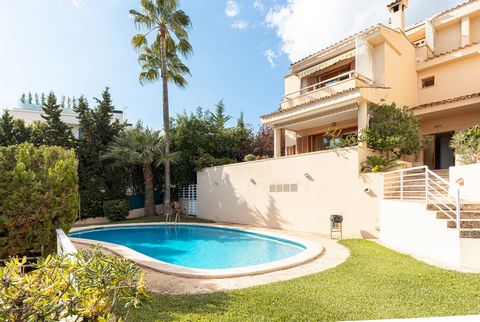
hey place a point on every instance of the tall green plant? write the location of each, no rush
(145, 148)
(38, 193)
(13, 131)
(393, 130)
(57, 132)
(169, 25)
(467, 145)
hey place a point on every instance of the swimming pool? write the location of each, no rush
(197, 246)
(199, 250)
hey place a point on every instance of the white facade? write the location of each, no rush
(31, 113)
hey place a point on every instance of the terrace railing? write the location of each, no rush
(422, 184)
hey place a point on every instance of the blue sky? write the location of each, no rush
(242, 49)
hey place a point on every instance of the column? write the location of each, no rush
(277, 143)
(362, 120)
(465, 31)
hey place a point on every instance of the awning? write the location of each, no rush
(328, 63)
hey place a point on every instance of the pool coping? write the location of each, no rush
(312, 251)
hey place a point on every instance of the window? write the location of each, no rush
(428, 82)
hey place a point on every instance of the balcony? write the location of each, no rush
(326, 88)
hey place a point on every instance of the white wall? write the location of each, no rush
(328, 182)
(409, 228)
(471, 177)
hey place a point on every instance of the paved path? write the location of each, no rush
(333, 255)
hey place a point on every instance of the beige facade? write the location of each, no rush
(297, 193)
(431, 67)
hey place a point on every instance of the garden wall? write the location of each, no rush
(313, 185)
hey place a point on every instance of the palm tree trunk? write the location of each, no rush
(149, 197)
(166, 121)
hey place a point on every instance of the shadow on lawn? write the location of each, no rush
(166, 307)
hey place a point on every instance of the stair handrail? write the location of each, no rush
(434, 198)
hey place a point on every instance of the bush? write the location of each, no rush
(38, 193)
(393, 130)
(249, 157)
(88, 286)
(467, 145)
(378, 164)
(116, 210)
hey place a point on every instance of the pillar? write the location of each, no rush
(277, 143)
(362, 120)
(465, 31)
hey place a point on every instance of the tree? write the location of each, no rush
(467, 145)
(169, 25)
(23, 98)
(98, 181)
(263, 142)
(219, 118)
(12, 131)
(57, 132)
(42, 99)
(393, 130)
(30, 98)
(145, 148)
(37, 101)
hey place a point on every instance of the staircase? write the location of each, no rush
(434, 189)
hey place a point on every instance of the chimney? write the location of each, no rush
(397, 14)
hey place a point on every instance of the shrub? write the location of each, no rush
(88, 286)
(467, 145)
(393, 130)
(249, 157)
(116, 210)
(337, 140)
(38, 193)
(378, 164)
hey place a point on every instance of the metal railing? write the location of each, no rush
(422, 184)
(64, 245)
(326, 84)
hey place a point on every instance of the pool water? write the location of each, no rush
(193, 246)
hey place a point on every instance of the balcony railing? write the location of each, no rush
(325, 84)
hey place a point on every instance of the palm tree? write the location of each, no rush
(169, 26)
(145, 148)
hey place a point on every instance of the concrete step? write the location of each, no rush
(464, 206)
(463, 215)
(471, 233)
(468, 224)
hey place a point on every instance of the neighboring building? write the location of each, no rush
(431, 67)
(32, 112)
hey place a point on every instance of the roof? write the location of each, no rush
(379, 24)
(452, 51)
(323, 98)
(446, 101)
(455, 8)
(338, 43)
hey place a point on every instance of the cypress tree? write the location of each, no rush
(37, 102)
(57, 131)
(30, 98)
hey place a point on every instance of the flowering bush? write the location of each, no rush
(88, 286)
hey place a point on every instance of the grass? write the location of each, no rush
(374, 283)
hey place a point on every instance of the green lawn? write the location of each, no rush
(374, 283)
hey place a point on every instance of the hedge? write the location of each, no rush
(116, 210)
(38, 193)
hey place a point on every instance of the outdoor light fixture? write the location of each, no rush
(308, 176)
(252, 181)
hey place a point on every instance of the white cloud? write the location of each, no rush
(232, 8)
(270, 56)
(240, 25)
(258, 4)
(77, 3)
(307, 26)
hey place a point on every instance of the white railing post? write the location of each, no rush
(401, 186)
(458, 207)
(426, 186)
